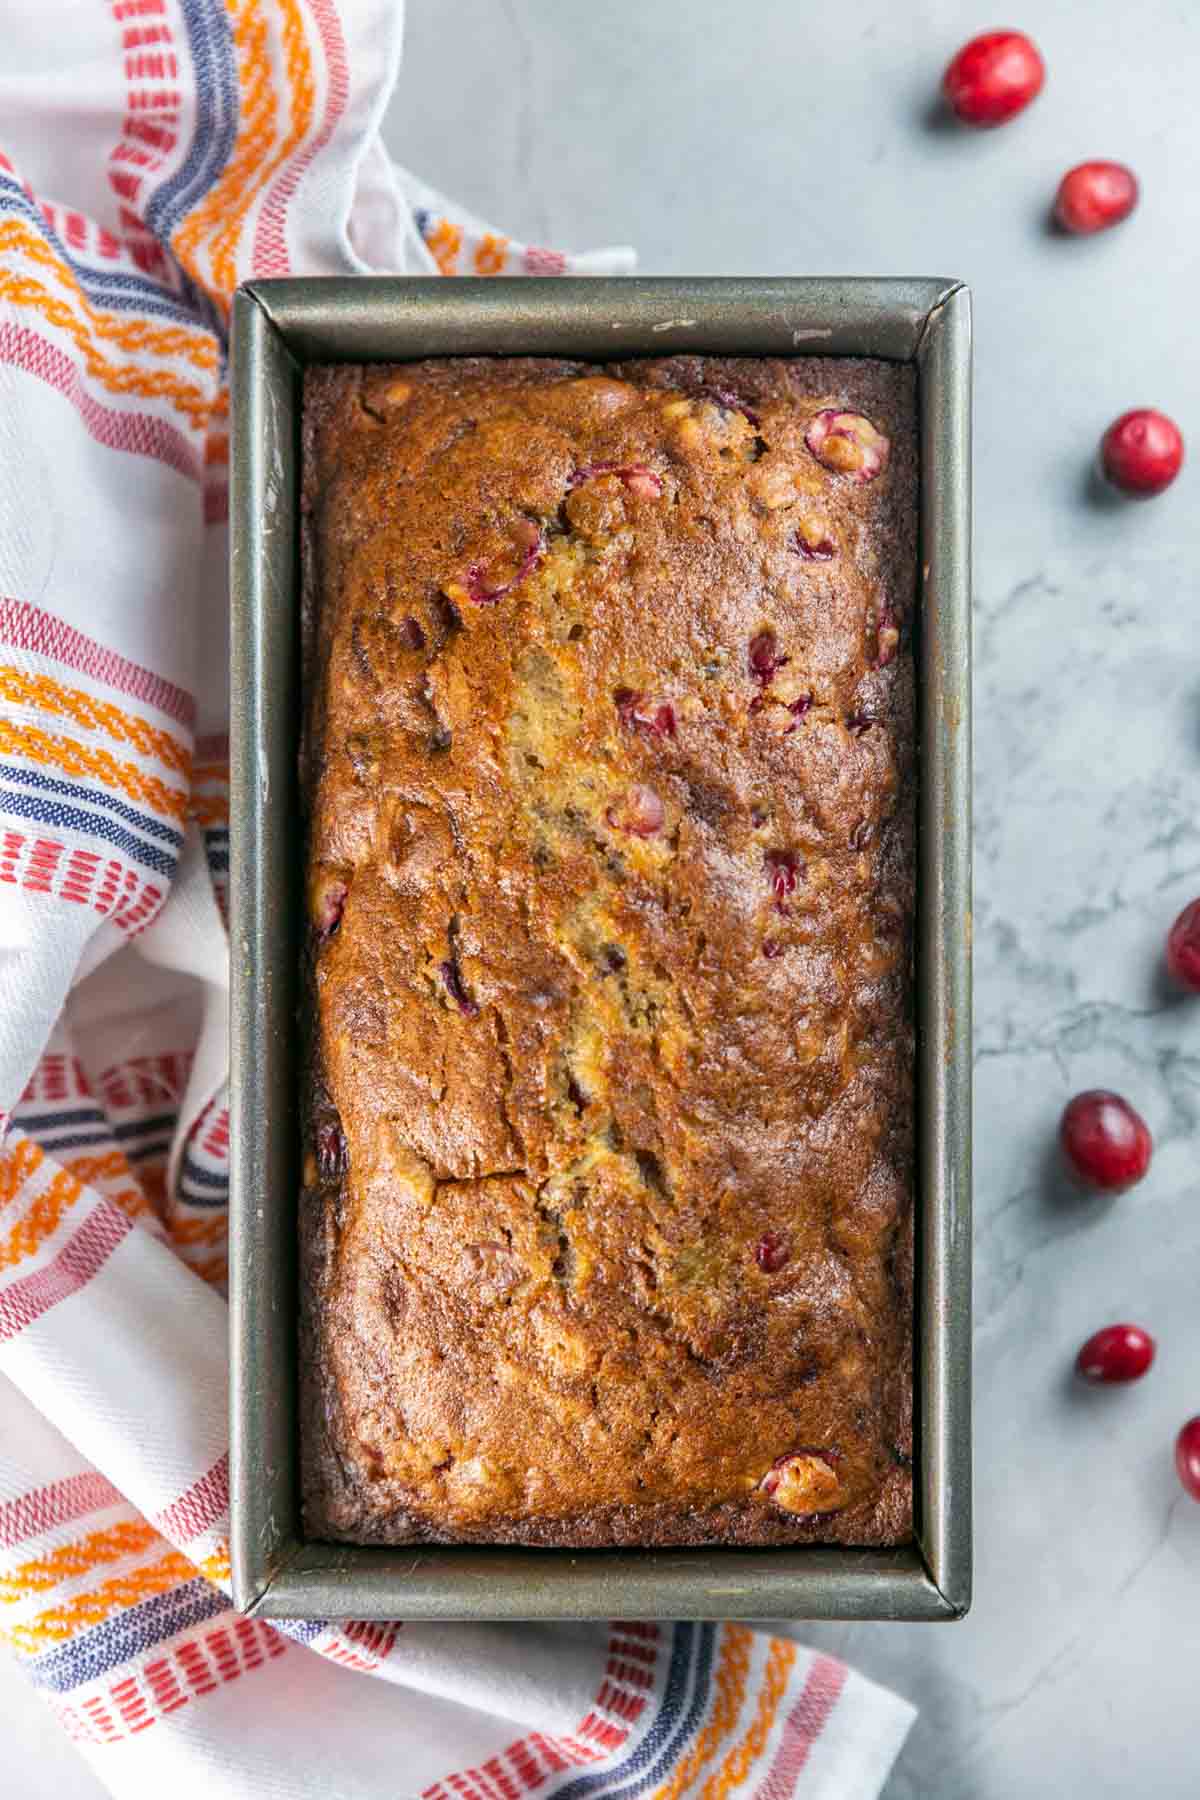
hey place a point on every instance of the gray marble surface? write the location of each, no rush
(779, 136)
(789, 138)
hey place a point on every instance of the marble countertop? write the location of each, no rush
(785, 138)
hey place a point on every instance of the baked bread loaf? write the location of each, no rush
(609, 764)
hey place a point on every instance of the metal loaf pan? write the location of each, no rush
(279, 326)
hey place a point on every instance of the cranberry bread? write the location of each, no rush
(609, 757)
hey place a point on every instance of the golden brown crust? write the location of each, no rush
(610, 756)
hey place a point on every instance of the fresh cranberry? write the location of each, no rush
(640, 811)
(804, 1482)
(1095, 195)
(330, 906)
(1118, 1353)
(636, 476)
(481, 587)
(786, 871)
(1187, 1457)
(772, 948)
(1105, 1142)
(764, 656)
(1183, 947)
(637, 713)
(993, 78)
(331, 1150)
(411, 634)
(813, 540)
(887, 637)
(456, 990)
(771, 1252)
(859, 723)
(1142, 452)
(728, 401)
(847, 443)
(797, 708)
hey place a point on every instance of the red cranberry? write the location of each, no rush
(332, 1156)
(1142, 452)
(636, 476)
(804, 1482)
(411, 634)
(480, 584)
(457, 992)
(772, 1252)
(1118, 1353)
(728, 401)
(1095, 195)
(764, 657)
(1187, 1457)
(813, 540)
(330, 906)
(637, 713)
(847, 443)
(640, 811)
(797, 708)
(1105, 1142)
(772, 948)
(1183, 947)
(786, 871)
(993, 78)
(859, 723)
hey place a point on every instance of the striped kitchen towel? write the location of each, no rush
(154, 153)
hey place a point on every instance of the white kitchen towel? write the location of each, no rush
(154, 153)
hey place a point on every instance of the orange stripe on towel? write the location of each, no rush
(17, 1163)
(221, 215)
(739, 1762)
(41, 1219)
(135, 335)
(72, 758)
(51, 696)
(128, 1538)
(58, 1623)
(129, 378)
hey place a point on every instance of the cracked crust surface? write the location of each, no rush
(609, 755)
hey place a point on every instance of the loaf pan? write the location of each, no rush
(278, 328)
